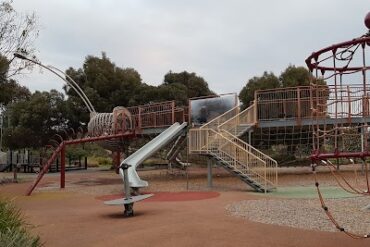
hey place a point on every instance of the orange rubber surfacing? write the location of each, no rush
(169, 196)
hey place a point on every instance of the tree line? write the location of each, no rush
(31, 119)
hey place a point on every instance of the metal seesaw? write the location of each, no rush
(129, 200)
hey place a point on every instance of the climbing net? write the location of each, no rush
(341, 113)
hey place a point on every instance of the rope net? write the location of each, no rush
(327, 121)
(341, 117)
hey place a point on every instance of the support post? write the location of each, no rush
(250, 137)
(116, 161)
(299, 109)
(63, 167)
(15, 172)
(209, 172)
(129, 207)
(173, 112)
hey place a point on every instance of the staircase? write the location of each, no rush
(220, 140)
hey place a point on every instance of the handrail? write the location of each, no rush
(217, 137)
(217, 119)
(251, 147)
(239, 116)
(236, 144)
(261, 156)
(200, 141)
(264, 164)
(227, 139)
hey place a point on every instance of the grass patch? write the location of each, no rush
(13, 230)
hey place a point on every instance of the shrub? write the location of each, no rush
(104, 161)
(13, 232)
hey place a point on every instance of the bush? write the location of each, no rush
(13, 232)
(103, 161)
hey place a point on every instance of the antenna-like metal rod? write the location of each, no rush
(70, 82)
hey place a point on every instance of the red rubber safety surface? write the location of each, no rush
(169, 196)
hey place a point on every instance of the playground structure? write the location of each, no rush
(28, 162)
(128, 166)
(331, 116)
(326, 120)
(349, 106)
(146, 119)
(24, 159)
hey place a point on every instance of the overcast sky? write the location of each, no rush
(225, 42)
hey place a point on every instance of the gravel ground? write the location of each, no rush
(306, 213)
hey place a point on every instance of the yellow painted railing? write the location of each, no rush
(237, 154)
(270, 164)
(218, 138)
(246, 117)
(214, 123)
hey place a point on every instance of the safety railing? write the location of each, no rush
(246, 117)
(288, 103)
(271, 164)
(157, 115)
(214, 123)
(313, 102)
(239, 155)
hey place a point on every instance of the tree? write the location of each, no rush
(292, 76)
(295, 76)
(32, 122)
(266, 81)
(174, 91)
(196, 86)
(11, 91)
(108, 86)
(17, 34)
(105, 84)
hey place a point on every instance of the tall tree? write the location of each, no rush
(31, 123)
(18, 32)
(105, 84)
(11, 91)
(294, 76)
(196, 86)
(174, 91)
(266, 81)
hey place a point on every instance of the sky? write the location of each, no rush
(226, 42)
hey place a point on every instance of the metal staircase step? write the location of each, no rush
(232, 164)
(246, 178)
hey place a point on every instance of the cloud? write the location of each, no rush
(226, 42)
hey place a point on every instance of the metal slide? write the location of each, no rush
(148, 150)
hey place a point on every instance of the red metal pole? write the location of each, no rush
(62, 146)
(63, 167)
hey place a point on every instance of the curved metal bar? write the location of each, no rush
(51, 69)
(76, 85)
(313, 63)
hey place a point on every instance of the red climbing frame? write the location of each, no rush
(149, 116)
(61, 150)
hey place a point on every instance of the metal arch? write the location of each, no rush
(71, 83)
(348, 49)
(77, 86)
